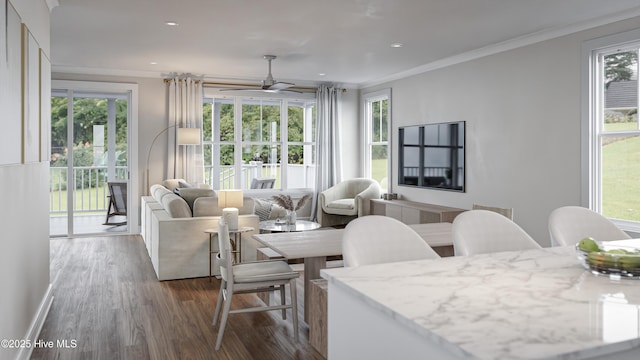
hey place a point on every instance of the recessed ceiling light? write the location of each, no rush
(171, 23)
(153, 63)
(322, 74)
(396, 45)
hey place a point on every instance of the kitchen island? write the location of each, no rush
(512, 305)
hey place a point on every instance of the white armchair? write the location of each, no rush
(346, 201)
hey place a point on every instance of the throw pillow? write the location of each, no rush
(277, 212)
(263, 208)
(184, 185)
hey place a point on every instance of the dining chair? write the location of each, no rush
(569, 224)
(376, 239)
(485, 231)
(251, 277)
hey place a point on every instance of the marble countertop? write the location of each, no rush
(511, 305)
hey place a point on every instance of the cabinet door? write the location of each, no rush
(378, 208)
(394, 211)
(430, 217)
(410, 216)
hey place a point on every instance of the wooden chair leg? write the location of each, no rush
(223, 321)
(223, 284)
(283, 302)
(106, 220)
(294, 308)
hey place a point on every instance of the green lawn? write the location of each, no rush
(621, 126)
(620, 179)
(89, 199)
(379, 170)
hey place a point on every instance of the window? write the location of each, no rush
(614, 136)
(377, 124)
(258, 137)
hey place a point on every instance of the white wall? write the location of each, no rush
(522, 109)
(24, 243)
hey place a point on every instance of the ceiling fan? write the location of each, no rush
(269, 84)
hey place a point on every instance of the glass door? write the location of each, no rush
(89, 172)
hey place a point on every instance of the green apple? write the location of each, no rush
(588, 244)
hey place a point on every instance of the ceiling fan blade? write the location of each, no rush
(280, 86)
(240, 89)
(268, 85)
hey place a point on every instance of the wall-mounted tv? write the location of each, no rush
(432, 156)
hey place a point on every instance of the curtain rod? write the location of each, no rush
(224, 84)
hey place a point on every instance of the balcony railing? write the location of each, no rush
(89, 186)
(91, 191)
(299, 176)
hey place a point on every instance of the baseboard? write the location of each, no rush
(36, 324)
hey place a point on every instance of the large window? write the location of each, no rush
(248, 138)
(614, 137)
(377, 115)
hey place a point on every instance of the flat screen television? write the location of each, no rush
(432, 156)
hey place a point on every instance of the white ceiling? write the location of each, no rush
(348, 40)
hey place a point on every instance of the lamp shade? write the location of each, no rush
(188, 136)
(230, 199)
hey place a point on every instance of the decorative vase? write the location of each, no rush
(292, 217)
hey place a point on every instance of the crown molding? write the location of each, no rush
(106, 72)
(511, 44)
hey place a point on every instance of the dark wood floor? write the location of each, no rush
(107, 299)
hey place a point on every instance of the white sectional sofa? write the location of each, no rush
(173, 228)
(175, 236)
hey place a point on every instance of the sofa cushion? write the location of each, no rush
(159, 191)
(277, 212)
(191, 194)
(184, 185)
(208, 206)
(176, 206)
(341, 207)
(172, 184)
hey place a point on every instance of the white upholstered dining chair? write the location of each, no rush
(484, 231)
(376, 239)
(569, 224)
(251, 277)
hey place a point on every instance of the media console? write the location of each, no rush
(411, 212)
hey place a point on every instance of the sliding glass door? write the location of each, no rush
(89, 168)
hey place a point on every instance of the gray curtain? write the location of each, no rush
(185, 110)
(328, 164)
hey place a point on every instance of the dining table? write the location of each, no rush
(315, 246)
(531, 304)
(312, 246)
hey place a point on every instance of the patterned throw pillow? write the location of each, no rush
(263, 208)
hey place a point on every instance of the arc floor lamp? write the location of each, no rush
(184, 136)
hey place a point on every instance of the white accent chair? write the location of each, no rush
(346, 201)
(569, 224)
(251, 277)
(484, 231)
(376, 239)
